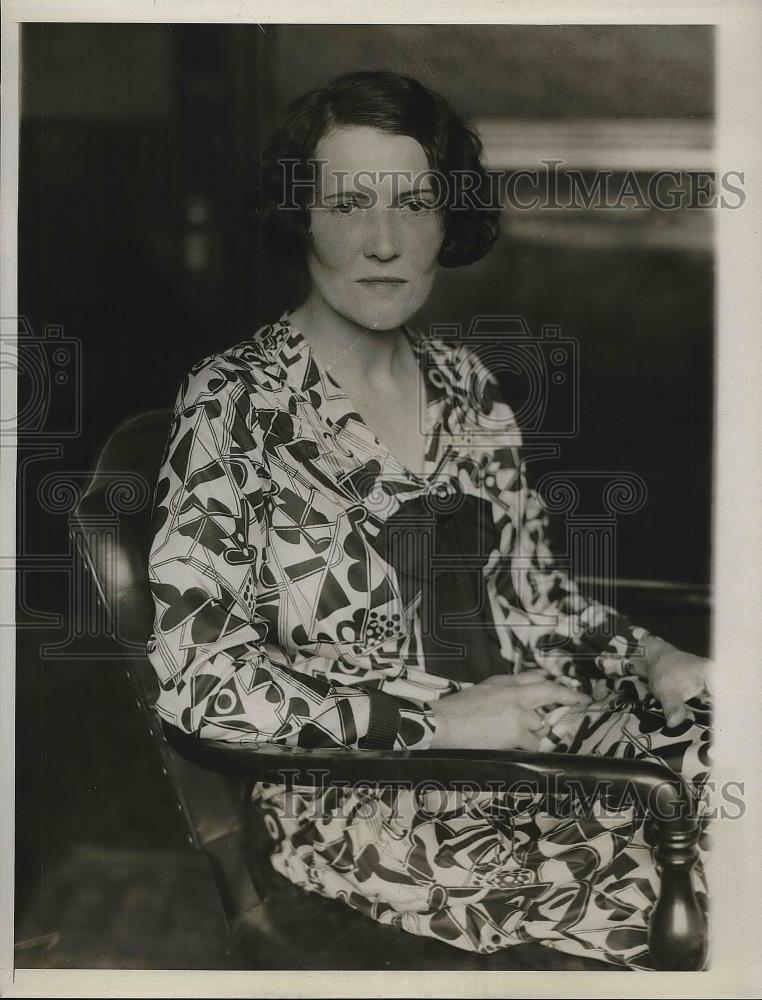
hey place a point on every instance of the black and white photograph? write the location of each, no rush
(370, 399)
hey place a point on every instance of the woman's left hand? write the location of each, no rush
(675, 677)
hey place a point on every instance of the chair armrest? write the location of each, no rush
(677, 930)
(448, 769)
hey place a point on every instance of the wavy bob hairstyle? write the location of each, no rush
(392, 103)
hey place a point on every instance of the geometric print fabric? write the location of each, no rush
(298, 572)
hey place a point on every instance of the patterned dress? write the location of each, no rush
(311, 591)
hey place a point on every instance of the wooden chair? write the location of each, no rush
(273, 924)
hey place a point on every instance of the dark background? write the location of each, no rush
(138, 151)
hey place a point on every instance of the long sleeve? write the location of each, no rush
(556, 626)
(221, 674)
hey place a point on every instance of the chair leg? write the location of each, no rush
(678, 929)
(241, 890)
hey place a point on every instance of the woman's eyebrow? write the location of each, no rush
(343, 192)
(411, 192)
(339, 194)
(422, 189)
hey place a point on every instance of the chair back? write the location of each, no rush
(111, 526)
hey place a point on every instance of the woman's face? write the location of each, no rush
(375, 233)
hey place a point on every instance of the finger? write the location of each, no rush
(529, 677)
(550, 693)
(709, 679)
(514, 680)
(528, 740)
(500, 680)
(538, 725)
(675, 712)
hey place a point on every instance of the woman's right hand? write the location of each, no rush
(500, 713)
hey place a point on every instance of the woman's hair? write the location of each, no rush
(392, 103)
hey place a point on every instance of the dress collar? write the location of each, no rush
(347, 427)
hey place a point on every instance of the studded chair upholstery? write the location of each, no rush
(273, 924)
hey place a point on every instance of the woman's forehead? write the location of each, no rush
(355, 152)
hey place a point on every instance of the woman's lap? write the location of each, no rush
(487, 870)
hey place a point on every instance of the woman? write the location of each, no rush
(347, 554)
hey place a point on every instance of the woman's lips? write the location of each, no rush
(379, 283)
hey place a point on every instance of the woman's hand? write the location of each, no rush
(675, 677)
(500, 713)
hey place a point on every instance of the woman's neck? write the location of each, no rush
(350, 352)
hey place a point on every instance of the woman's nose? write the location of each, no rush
(382, 236)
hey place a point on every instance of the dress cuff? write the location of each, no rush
(397, 724)
(383, 722)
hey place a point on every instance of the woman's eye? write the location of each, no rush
(350, 206)
(416, 206)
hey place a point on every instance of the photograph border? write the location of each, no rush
(735, 866)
